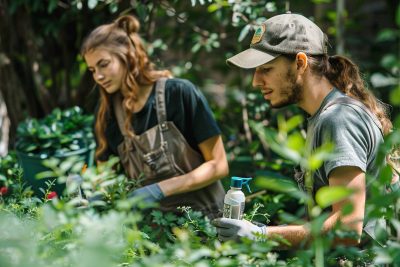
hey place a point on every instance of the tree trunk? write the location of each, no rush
(11, 87)
(339, 23)
(21, 82)
(4, 128)
(40, 100)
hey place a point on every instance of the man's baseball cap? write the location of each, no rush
(281, 34)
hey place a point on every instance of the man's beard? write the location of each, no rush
(292, 93)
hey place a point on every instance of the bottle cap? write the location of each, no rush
(238, 182)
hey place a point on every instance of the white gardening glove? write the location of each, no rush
(231, 229)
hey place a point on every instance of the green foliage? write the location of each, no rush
(386, 207)
(58, 133)
(327, 196)
(388, 76)
(193, 39)
(11, 178)
(119, 231)
(8, 168)
(62, 234)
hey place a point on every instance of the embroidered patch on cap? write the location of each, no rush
(258, 34)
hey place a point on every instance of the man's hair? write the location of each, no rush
(345, 76)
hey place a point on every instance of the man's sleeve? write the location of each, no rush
(349, 134)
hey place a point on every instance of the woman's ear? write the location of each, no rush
(301, 62)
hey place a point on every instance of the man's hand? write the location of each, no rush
(149, 193)
(231, 229)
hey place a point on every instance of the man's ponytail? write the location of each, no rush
(345, 76)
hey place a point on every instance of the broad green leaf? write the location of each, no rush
(108, 183)
(199, 254)
(213, 7)
(380, 80)
(389, 61)
(51, 162)
(383, 258)
(387, 35)
(328, 195)
(45, 175)
(30, 148)
(385, 175)
(74, 147)
(321, 154)
(196, 47)
(269, 138)
(290, 218)
(296, 142)
(316, 224)
(47, 144)
(52, 6)
(77, 167)
(396, 123)
(276, 184)
(92, 4)
(113, 7)
(347, 209)
(66, 165)
(293, 122)
(124, 205)
(314, 162)
(395, 96)
(244, 32)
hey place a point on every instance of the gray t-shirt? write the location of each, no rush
(354, 133)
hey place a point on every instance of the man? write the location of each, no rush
(289, 54)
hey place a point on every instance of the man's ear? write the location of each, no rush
(301, 62)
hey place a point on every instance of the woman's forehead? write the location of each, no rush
(94, 55)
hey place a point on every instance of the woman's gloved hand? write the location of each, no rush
(149, 193)
(232, 229)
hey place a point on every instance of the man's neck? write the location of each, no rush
(315, 91)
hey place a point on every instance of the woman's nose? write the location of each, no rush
(99, 76)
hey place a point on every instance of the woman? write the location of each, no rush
(159, 127)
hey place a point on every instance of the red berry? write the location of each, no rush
(51, 195)
(3, 190)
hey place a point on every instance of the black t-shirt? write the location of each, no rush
(186, 107)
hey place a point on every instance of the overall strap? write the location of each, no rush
(160, 100)
(351, 101)
(119, 113)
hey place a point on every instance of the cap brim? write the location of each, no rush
(251, 58)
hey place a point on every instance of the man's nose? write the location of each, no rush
(257, 81)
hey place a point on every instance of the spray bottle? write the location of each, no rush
(234, 198)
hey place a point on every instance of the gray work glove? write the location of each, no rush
(232, 229)
(149, 193)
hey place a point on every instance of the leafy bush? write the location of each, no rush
(58, 133)
(117, 231)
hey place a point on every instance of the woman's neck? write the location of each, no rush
(142, 97)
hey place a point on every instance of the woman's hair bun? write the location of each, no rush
(128, 23)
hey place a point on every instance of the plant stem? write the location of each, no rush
(319, 252)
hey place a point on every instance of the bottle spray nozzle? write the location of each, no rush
(238, 182)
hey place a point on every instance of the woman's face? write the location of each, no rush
(106, 69)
